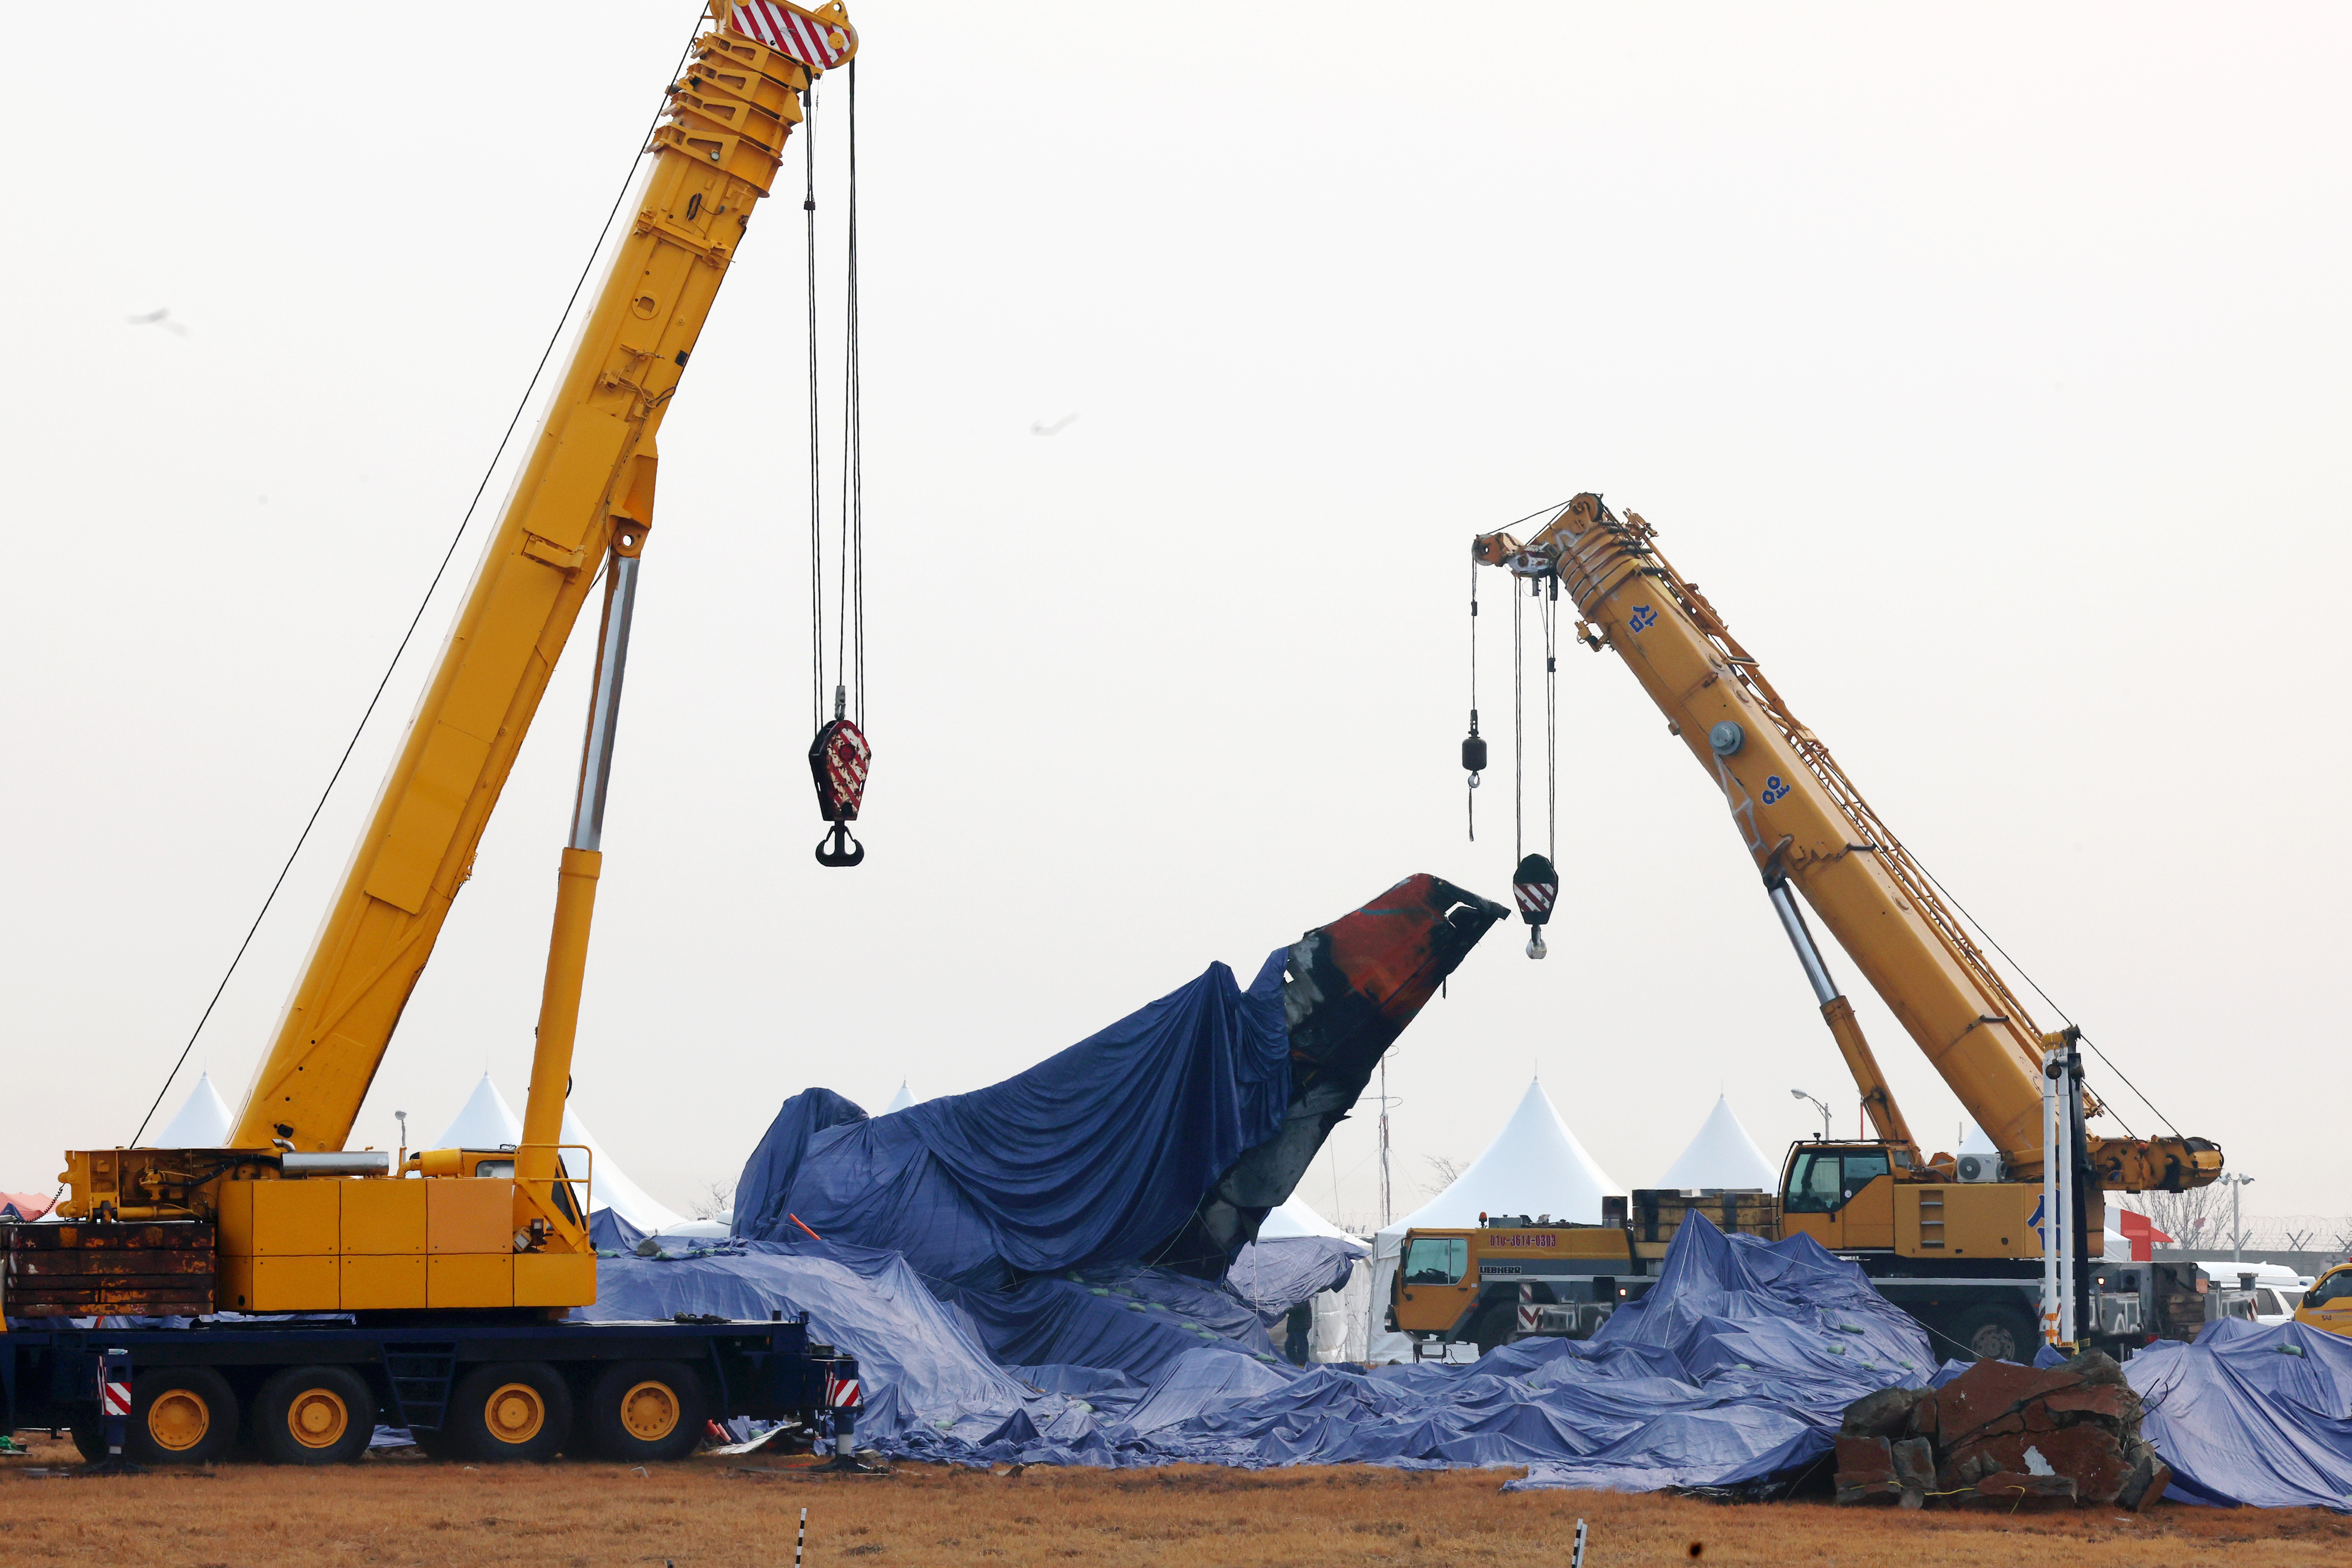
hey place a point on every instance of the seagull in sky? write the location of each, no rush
(159, 319)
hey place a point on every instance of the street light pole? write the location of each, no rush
(1824, 1110)
(2237, 1184)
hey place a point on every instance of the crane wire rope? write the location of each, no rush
(851, 612)
(2062, 1015)
(521, 403)
(815, 453)
(1470, 803)
(1519, 725)
(1548, 614)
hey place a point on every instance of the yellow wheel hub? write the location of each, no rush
(317, 1418)
(649, 1412)
(178, 1420)
(514, 1413)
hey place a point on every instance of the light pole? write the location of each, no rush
(1824, 1110)
(2237, 1185)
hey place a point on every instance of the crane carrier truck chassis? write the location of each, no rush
(312, 1391)
(1512, 1278)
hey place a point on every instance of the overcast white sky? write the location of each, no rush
(1986, 364)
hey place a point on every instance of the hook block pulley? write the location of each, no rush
(838, 760)
(1536, 887)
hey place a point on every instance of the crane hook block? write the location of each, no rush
(1474, 752)
(1536, 885)
(838, 760)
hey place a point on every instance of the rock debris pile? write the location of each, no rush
(2002, 1435)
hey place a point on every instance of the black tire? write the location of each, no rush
(90, 1439)
(508, 1412)
(314, 1416)
(1995, 1334)
(643, 1411)
(436, 1443)
(181, 1415)
(1494, 1325)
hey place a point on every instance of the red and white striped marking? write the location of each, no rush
(847, 756)
(1530, 1318)
(1536, 897)
(792, 31)
(841, 1393)
(114, 1398)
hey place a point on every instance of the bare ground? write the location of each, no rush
(401, 1509)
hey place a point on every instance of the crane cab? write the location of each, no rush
(1840, 1195)
(1854, 1198)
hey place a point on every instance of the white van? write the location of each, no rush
(2276, 1291)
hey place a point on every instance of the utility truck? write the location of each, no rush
(292, 1291)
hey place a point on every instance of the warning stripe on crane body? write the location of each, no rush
(114, 1398)
(841, 1393)
(795, 32)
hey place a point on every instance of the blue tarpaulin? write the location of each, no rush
(1738, 1365)
(1277, 1275)
(1093, 1157)
(2251, 1414)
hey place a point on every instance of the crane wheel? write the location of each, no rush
(640, 1411)
(314, 1415)
(505, 1412)
(1996, 1333)
(180, 1415)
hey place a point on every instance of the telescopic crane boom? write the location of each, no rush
(1811, 833)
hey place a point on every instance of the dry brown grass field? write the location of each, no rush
(401, 1509)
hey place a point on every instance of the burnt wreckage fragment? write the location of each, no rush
(1350, 989)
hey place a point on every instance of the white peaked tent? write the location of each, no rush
(610, 1186)
(1722, 1155)
(1293, 1219)
(203, 1121)
(901, 1099)
(1534, 1165)
(487, 1122)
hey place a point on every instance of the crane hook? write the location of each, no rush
(1536, 886)
(838, 760)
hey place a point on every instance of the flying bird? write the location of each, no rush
(159, 319)
(1039, 427)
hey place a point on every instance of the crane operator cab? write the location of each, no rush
(1843, 1196)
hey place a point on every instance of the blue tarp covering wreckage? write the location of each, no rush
(1738, 1365)
(1060, 1269)
(2252, 1416)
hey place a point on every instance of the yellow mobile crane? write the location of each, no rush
(461, 1258)
(1931, 1232)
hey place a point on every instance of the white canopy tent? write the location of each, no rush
(901, 1099)
(1722, 1156)
(1339, 1315)
(487, 1122)
(1294, 1217)
(203, 1122)
(1534, 1165)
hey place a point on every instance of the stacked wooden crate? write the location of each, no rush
(155, 1268)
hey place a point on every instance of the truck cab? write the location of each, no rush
(2328, 1304)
